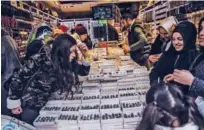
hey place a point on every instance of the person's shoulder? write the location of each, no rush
(38, 59)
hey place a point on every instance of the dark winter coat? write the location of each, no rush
(159, 46)
(172, 59)
(32, 85)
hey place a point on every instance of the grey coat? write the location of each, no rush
(198, 71)
(9, 57)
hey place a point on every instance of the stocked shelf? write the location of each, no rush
(163, 9)
(37, 13)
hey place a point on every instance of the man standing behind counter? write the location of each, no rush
(137, 40)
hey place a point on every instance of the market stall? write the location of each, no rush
(113, 95)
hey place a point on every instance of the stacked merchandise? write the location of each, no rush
(110, 99)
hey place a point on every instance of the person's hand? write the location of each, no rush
(168, 78)
(153, 58)
(17, 110)
(83, 48)
(183, 77)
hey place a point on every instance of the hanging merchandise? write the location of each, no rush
(54, 13)
(9, 22)
(21, 4)
(70, 25)
(63, 28)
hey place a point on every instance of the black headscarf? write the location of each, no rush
(173, 59)
(188, 32)
(188, 53)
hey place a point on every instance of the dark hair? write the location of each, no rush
(60, 58)
(72, 31)
(199, 25)
(167, 103)
(80, 29)
(127, 16)
(33, 48)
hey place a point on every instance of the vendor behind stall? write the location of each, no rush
(81, 35)
(137, 40)
(112, 32)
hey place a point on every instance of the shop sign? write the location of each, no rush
(102, 21)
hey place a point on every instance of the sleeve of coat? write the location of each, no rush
(198, 87)
(81, 68)
(18, 82)
(155, 73)
(142, 39)
(156, 46)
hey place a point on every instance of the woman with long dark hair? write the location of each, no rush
(31, 86)
(167, 108)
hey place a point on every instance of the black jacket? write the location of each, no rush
(88, 42)
(172, 59)
(158, 46)
(137, 41)
(32, 85)
(112, 33)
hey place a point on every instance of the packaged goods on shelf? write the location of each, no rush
(89, 108)
(118, 73)
(96, 77)
(126, 88)
(91, 90)
(109, 90)
(90, 118)
(46, 122)
(50, 109)
(65, 121)
(70, 108)
(132, 116)
(132, 105)
(91, 98)
(114, 102)
(130, 95)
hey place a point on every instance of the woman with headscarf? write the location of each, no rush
(195, 76)
(180, 57)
